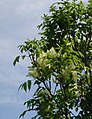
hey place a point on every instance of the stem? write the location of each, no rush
(55, 88)
(49, 83)
(65, 97)
(47, 89)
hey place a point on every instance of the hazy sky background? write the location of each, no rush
(18, 21)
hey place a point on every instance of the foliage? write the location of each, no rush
(61, 63)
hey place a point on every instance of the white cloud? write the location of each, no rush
(32, 7)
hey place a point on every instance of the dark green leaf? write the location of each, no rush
(23, 57)
(29, 84)
(16, 60)
(24, 86)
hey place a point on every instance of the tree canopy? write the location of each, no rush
(61, 63)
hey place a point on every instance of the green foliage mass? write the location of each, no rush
(61, 63)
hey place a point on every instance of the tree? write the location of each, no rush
(61, 63)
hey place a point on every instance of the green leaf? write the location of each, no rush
(29, 84)
(16, 60)
(23, 57)
(20, 87)
(24, 86)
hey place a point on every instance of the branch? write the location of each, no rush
(47, 88)
(55, 88)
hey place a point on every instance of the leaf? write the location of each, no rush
(20, 87)
(76, 109)
(29, 84)
(16, 60)
(37, 82)
(24, 86)
(23, 57)
(23, 114)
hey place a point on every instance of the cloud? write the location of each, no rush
(33, 7)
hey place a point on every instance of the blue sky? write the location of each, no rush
(18, 21)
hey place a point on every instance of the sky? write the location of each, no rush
(18, 21)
